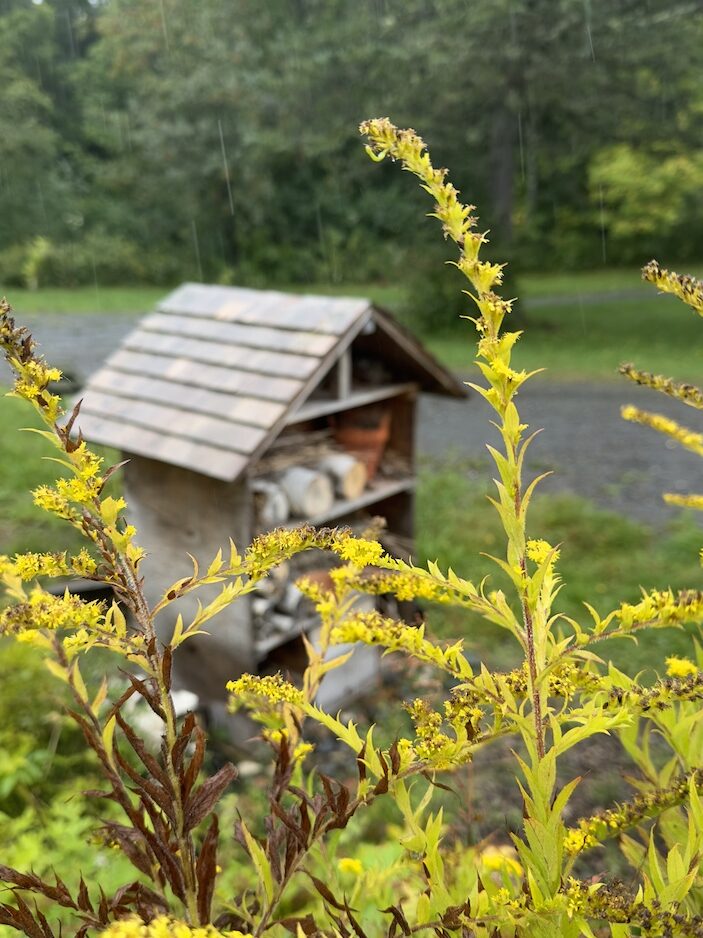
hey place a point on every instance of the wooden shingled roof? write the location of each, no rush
(209, 380)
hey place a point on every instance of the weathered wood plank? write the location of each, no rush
(203, 300)
(208, 460)
(281, 340)
(289, 311)
(214, 377)
(331, 315)
(278, 364)
(226, 434)
(196, 299)
(243, 409)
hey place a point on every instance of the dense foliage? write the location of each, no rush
(154, 141)
(161, 805)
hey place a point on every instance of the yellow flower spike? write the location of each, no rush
(663, 608)
(682, 435)
(684, 287)
(684, 501)
(271, 687)
(688, 393)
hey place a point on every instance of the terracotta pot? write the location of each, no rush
(366, 443)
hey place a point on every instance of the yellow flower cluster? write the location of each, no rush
(688, 393)
(564, 681)
(29, 566)
(31, 384)
(350, 865)
(463, 712)
(374, 629)
(684, 287)
(271, 688)
(49, 499)
(32, 374)
(164, 927)
(268, 550)
(682, 435)
(680, 667)
(431, 743)
(663, 608)
(539, 551)
(44, 611)
(360, 552)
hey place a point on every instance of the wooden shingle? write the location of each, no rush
(209, 380)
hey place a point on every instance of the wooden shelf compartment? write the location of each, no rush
(376, 491)
(311, 410)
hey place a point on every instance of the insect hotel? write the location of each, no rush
(241, 410)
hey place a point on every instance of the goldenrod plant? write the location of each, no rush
(562, 694)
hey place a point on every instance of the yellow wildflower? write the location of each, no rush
(271, 687)
(680, 667)
(360, 552)
(539, 550)
(44, 611)
(350, 865)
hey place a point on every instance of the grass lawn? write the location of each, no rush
(88, 300)
(575, 341)
(22, 468)
(25, 463)
(607, 280)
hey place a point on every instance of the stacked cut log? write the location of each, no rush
(307, 491)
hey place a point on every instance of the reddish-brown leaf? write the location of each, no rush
(146, 758)
(57, 893)
(326, 894)
(206, 871)
(182, 740)
(204, 798)
(191, 774)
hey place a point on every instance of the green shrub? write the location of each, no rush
(98, 258)
(293, 872)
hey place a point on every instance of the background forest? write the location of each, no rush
(158, 140)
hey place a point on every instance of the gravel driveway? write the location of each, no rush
(591, 450)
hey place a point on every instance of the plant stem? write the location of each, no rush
(185, 843)
(532, 665)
